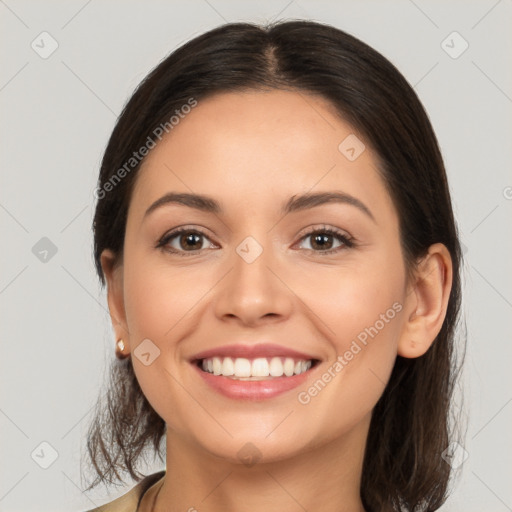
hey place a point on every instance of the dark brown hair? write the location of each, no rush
(410, 428)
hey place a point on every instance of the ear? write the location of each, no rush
(113, 272)
(426, 302)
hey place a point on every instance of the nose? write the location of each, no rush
(253, 292)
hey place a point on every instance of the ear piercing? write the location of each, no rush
(120, 350)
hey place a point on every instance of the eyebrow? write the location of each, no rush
(294, 204)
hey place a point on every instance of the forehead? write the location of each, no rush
(260, 145)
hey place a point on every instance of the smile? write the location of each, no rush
(253, 372)
(261, 368)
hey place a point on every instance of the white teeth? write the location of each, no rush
(276, 367)
(288, 366)
(228, 368)
(242, 367)
(260, 367)
(217, 366)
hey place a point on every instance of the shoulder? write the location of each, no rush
(129, 502)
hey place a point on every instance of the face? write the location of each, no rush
(277, 278)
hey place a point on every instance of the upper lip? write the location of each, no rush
(252, 352)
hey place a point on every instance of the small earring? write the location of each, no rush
(120, 349)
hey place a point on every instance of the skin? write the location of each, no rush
(252, 151)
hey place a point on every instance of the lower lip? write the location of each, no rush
(252, 389)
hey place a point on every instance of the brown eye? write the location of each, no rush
(327, 241)
(190, 241)
(183, 241)
(321, 241)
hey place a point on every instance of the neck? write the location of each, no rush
(325, 478)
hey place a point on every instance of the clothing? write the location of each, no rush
(130, 501)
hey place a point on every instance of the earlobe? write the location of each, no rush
(113, 272)
(427, 303)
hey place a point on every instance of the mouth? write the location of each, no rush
(256, 369)
(253, 372)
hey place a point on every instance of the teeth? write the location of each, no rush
(228, 368)
(276, 367)
(243, 368)
(288, 367)
(217, 366)
(260, 368)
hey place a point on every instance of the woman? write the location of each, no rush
(275, 230)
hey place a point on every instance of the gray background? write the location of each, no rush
(57, 113)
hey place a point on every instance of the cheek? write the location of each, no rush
(158, 298)
(364, 329)
(359, 311)
(158, 303)
(348, 301)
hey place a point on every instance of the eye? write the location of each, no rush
(184, 240)
(187, 240)
(323, 240)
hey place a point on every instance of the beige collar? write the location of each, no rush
(147, 502)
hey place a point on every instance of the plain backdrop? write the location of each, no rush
(68, 67)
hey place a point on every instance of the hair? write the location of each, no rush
(403, 466)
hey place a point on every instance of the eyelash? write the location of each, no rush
(347, 241)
